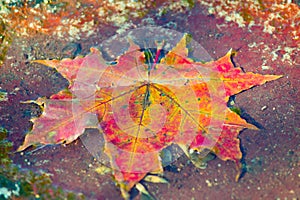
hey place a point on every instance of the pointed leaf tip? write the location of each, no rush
(48, 63)
(27, 143)
(231, 52)
(252, 127)
(272, 77)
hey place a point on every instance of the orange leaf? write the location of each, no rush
(145, 104)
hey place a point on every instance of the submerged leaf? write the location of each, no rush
(143, 107)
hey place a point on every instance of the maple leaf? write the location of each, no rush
(144, 104)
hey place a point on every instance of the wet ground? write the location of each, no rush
(271, 154)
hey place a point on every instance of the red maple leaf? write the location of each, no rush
(143, 107)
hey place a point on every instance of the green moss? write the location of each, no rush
(5, 40)
(191, 3)
(5, 148)
(15, 182)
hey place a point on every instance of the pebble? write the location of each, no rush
(264, 108)
(209, 184)
(264, 67)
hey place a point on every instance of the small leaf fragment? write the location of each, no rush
(155, 179)
(144, 191)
